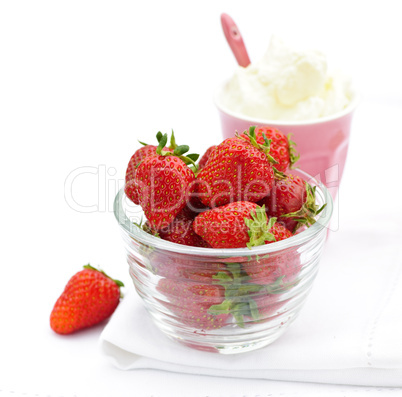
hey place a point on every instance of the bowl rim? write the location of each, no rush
(280, 123)
(299, 239)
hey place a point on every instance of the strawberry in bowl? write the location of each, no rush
(228, 249)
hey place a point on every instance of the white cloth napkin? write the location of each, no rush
(349, 331)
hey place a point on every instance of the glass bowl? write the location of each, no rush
(223, 300)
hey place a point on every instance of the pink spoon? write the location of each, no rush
(235, 40)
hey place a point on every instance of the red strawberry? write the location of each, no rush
(276, 269)
(239, 170)
(180, 231)
(164, 184)
(89, 297)
(164, 265)
(180, 267)
(282, 148)
(206, 298)
(292, 201)
(190, 301)
(130, 187)
(207, 273)
(279, 231)
(224, 227)
(204, 159)
(194, 204)
(236, 225)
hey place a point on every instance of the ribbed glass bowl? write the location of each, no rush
(223, 300)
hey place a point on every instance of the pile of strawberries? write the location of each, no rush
(240, 194)
(221, 202)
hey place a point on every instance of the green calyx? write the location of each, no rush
(237, 302)
(279, 174)
(89, 267)
(293, 153)
(265, 147)
(159, 136)
(241, 306)
(146, 228)
(241, 296)
(309, 210)
(173, 144)
(178, 151)
(279, 286)
(238, 310)
(259, 227)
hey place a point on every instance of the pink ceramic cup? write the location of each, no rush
(322, 143)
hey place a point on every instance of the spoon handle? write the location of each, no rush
(235, 40)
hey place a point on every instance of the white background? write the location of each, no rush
(80, 83)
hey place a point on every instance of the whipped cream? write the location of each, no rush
(287, 84)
